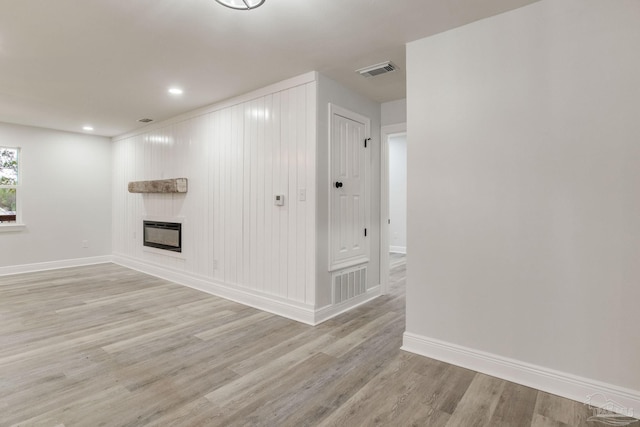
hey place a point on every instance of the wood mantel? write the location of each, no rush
(175, 185)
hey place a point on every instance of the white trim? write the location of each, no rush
(325, 313)
(54, 265)
(366, 121)
(300, 80)
(177, 219)
(18, 225)
(300, 312)
(398, 249)
(12, 227)
(348, 264)
(311, 202)
(386, 132)
(157, 251)
(394, 129)
(541, 378)
(351, 115)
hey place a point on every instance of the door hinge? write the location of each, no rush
(365, 142)
(365, 232)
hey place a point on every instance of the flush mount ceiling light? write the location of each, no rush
(241, 4)
(175, 91)
(87, 128)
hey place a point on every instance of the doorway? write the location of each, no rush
(393, 218)
(349, 200)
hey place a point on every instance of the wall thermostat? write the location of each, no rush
(278, 200)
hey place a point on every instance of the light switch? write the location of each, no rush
(302, 194)
(278, 200)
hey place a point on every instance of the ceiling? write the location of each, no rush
(68, 63)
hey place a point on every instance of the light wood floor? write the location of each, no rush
(107, 346)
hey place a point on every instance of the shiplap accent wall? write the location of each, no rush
(237, 156)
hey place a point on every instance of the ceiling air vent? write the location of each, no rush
(145, 120)
(377, 69)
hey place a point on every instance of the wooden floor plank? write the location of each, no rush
(515, 406)
(105, 345)
(478, 404)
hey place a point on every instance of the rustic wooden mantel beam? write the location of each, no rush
(175, 185)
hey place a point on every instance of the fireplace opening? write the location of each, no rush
(163, 235)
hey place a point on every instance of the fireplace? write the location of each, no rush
(163, 235)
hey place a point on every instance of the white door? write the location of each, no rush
(350, 148)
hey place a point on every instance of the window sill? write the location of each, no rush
(12, 227)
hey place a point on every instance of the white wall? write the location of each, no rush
(66, 187)
(398, 193)
(330, 91)
(393, 112)
(524, 178)
(236, 156)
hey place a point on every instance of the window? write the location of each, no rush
(9, 185)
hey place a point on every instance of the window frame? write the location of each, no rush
(18, 224)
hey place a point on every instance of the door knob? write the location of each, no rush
(338, 184)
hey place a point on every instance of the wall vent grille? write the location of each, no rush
(348, 284)
(377, 69)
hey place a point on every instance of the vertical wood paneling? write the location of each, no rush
(260, 223)
(276, 188)
(284, 258)
(252, 136)
(227, 183)
(236, 196)
(245, 195)
(236, 158)
(310, 217)
(302, 141)
(267, 167)
(293, 291)
(217, 207)
(292, 129)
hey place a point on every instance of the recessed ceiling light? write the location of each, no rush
(241, 4)
(176, 91)
(87, 128)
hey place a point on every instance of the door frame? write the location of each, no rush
(386, 132)
(340, 111)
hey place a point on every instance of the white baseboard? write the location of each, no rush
(54, 265)
(551, 381)
(290, 309)
(325, 313)
(398, 249)
(300, 312)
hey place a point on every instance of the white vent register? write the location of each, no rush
(349, 283)
(377, 69)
